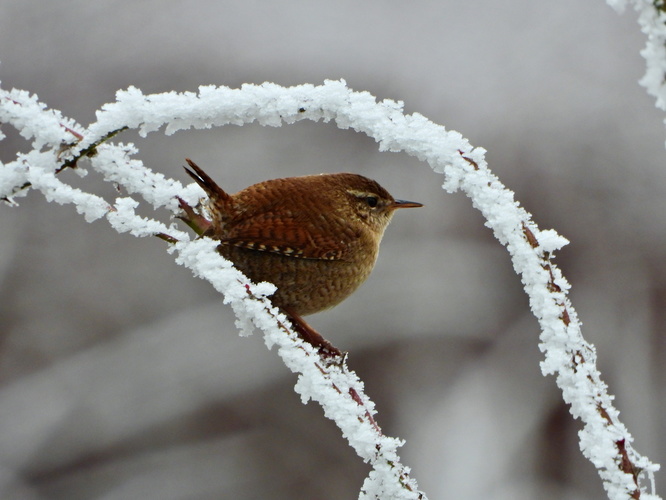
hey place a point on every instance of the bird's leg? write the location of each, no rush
(312, 336)
(197, 222)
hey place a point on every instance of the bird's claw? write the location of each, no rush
(325, 349)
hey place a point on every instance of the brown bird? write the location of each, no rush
(315, 237)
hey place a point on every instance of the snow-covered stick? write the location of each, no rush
(652, 20)
(334, 386)
(604, 439)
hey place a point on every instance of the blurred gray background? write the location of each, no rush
(123, 377)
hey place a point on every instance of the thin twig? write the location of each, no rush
(71, 162)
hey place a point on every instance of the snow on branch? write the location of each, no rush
(604, 440)
(652, 20)
(334, 386)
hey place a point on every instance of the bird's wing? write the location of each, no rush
(288, 235)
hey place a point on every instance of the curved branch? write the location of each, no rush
(652, 20)
(604, 439)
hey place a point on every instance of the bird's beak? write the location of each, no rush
(404, 204)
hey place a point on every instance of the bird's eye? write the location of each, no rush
(372, 201)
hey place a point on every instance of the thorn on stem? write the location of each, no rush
(167, 238)
(531, 239)
(469, 160)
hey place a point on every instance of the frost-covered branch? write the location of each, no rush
(334, 386)
(604, 440)
(652, 20)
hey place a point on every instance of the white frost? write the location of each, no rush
(338, 390)
(653, 24)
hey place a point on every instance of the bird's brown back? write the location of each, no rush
(315, 237)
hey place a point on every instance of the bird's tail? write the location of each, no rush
(214, 192)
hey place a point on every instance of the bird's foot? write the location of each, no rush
(315, 339)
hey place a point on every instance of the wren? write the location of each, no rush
(316, 237)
